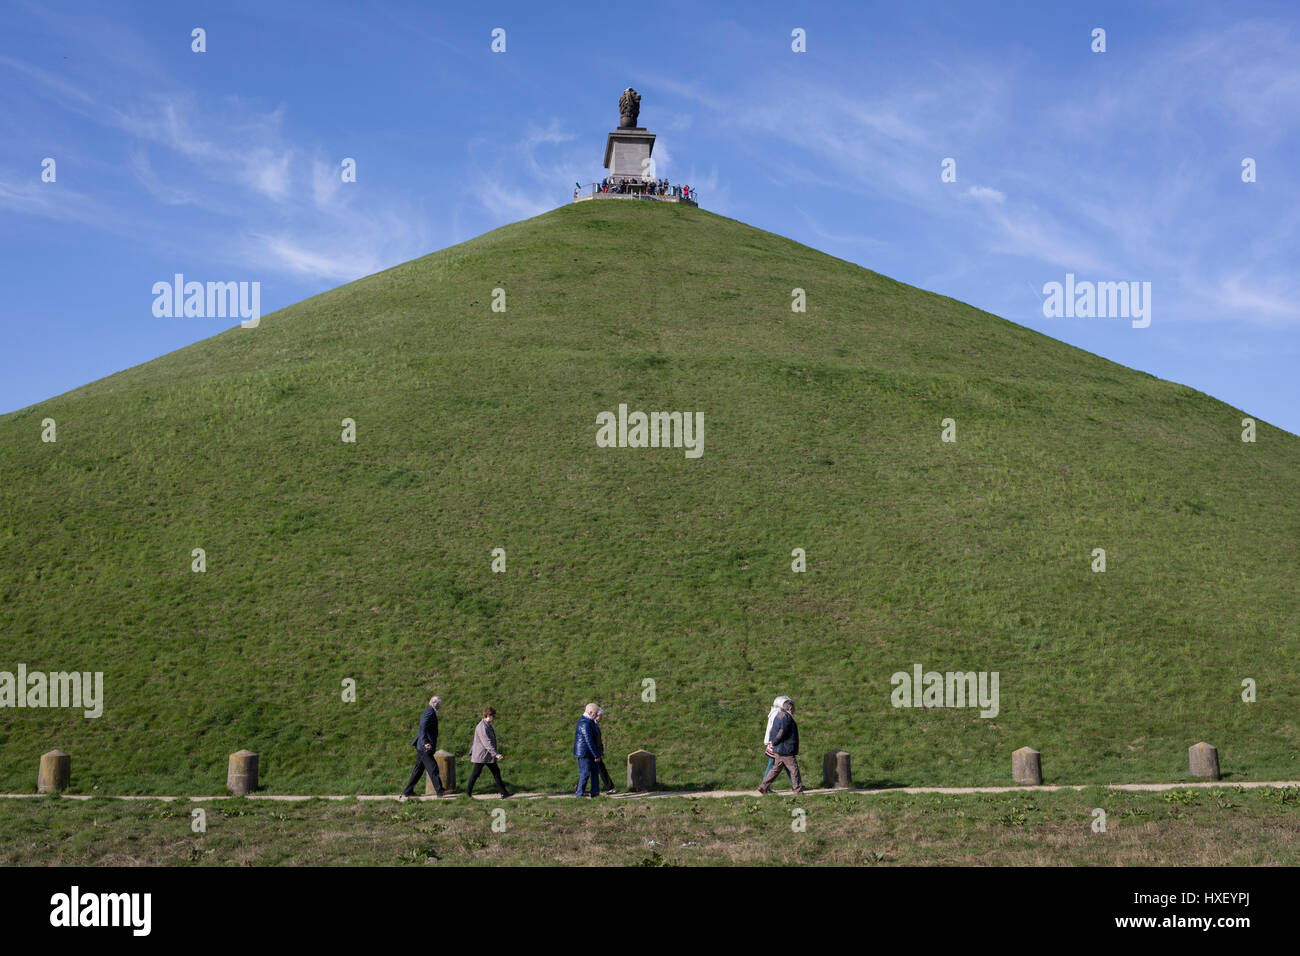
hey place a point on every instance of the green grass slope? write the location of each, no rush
(476, 430)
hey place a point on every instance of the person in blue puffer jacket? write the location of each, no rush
(589, 751)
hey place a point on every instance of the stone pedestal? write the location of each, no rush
(641, 771)
(1027, 767)
(625, 151)
(1203, 761)
(835, 770)
(241, 775)
(446, 762)
(55, 772)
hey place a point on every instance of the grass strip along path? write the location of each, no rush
(1186, 825)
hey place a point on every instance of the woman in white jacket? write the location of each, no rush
(767, 733)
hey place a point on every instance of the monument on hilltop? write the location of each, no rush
(628, 148)
(631, 170)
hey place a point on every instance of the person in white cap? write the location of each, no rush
(785, 747)
(767, 733)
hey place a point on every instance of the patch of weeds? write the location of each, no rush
(1017, 816)
(1284, 796)
(420, 855)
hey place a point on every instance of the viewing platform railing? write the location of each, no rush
(631, 190)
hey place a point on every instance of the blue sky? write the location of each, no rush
(224, 165)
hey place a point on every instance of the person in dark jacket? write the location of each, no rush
(425, 743)
(777, 706)
(587, 748)
(605, 782)
(484, 753)
(785, 748)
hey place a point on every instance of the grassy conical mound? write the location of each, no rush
(476, 430)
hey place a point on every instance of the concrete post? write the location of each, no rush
(241, 776)
(446, 762)
(55, 772)
(835, 770)
(1203, 761)
(1027, 767)
(641, 771)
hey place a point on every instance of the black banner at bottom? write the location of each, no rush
(639, 907)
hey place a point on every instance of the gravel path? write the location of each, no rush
(658, 794)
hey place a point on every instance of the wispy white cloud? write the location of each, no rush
(167, 194)
(984, 194)
(61, 203)
(528, 175)
(827, 236)
(232, 161)
(1078, 191)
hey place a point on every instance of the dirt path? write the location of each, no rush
(659, 794)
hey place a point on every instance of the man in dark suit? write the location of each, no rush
(425, 743)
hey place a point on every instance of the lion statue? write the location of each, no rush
(629, 108)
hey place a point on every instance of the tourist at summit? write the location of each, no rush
(785, 750)
(587, 748)
(425, 743)
(483, 753)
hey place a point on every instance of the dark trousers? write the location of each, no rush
(604, 776)
(478, 769)
(789, 765)
(587, 771)
(424, 763)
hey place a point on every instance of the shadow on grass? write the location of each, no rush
(886, 783)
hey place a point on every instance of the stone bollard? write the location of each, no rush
(1203, 761)
(1027, 767)
(55, 772)
(641, 771)
(835, 770)
(446, 770)
(241, 777)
